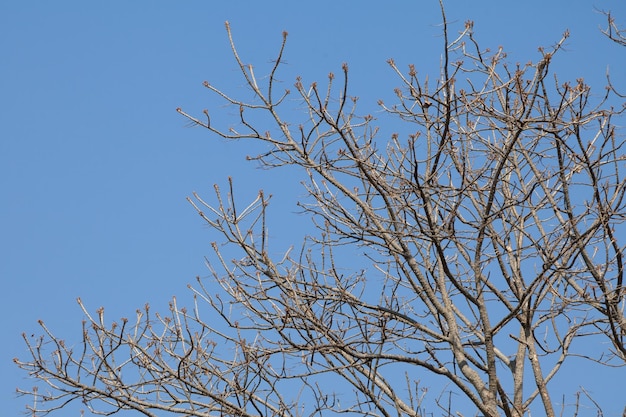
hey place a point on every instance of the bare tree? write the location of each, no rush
(488, 243)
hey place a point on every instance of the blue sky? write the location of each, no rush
(95, 163)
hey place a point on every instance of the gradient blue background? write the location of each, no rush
(95, 163)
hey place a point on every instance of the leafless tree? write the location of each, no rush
(477, 243)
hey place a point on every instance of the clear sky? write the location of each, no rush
(95, 163)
